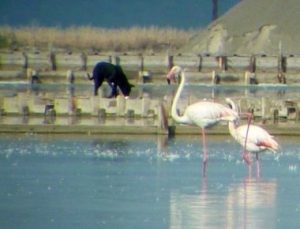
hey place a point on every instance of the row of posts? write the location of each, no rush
(222, 62)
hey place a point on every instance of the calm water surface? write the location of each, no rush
(144, 182)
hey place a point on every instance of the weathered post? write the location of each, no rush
(25, 63)
(145, 104)
(222, 63)
(142, 62)
(250, 74)
(252, 64)
(52, 61)
(215, 78)
(281, 69)
(250, 78)
(32, 76)
(200, 62)
(121, 103)
(141, 72)
(117, 60)
(83, 58)
(170, 62)
(70, 76)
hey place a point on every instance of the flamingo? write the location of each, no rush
(254, 138)
(204, 114)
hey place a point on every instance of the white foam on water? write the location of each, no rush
(293, 168)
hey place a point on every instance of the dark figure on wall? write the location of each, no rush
(113, 75)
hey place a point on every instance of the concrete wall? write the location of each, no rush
(53, 66)
(142, 107)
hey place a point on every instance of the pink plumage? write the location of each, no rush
(258, 139)
(204, 114)
(254, 139)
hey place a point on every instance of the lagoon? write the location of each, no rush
(82, 181)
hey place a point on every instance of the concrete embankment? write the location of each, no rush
(116, 126)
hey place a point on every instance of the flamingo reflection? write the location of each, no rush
(248, 204)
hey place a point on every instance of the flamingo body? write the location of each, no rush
(254, 139)
(207, 114)
(204, 114)
(258, 139)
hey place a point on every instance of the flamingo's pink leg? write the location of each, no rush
(204, 159)
(249, 166)
(249, 171)
(257, 166)
(245, 155)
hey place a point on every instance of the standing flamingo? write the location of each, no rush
(254, 138)
(204, 114)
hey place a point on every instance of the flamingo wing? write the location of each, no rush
(207, 114)
(258, 138)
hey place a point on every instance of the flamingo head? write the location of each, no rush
(173, 74)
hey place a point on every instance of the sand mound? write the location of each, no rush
(252, 27)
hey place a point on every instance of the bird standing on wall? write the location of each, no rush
(254, 138)
(204, 114)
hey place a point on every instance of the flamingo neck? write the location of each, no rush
(175, 116)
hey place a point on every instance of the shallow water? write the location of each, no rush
(200, 91)
(144, 182)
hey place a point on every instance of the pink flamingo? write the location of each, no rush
(254, 138)
(204, 114)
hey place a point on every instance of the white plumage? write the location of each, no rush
(204, 114)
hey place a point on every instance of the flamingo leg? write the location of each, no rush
(249, 166)
(204, 159)
(245, 155)
(257, 166)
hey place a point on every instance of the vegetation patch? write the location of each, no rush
(97, 39)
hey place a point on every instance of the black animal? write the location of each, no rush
(114, 76)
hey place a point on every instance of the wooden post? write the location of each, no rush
(101, 115)
(70, 76)
(121, 103)
(252, 64)
(109, 59)
(246, 77)
(145, 104)
(215, 78)
(25, 63)
(222, 63)
(170, 62)
(281, 69)
(142, 62)
(141, 72)
(83, 58)
(282, 62)
(117, 60)
(200, 62)
(250, 78)
(275, 116)
(52, 61)
(281, 77)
